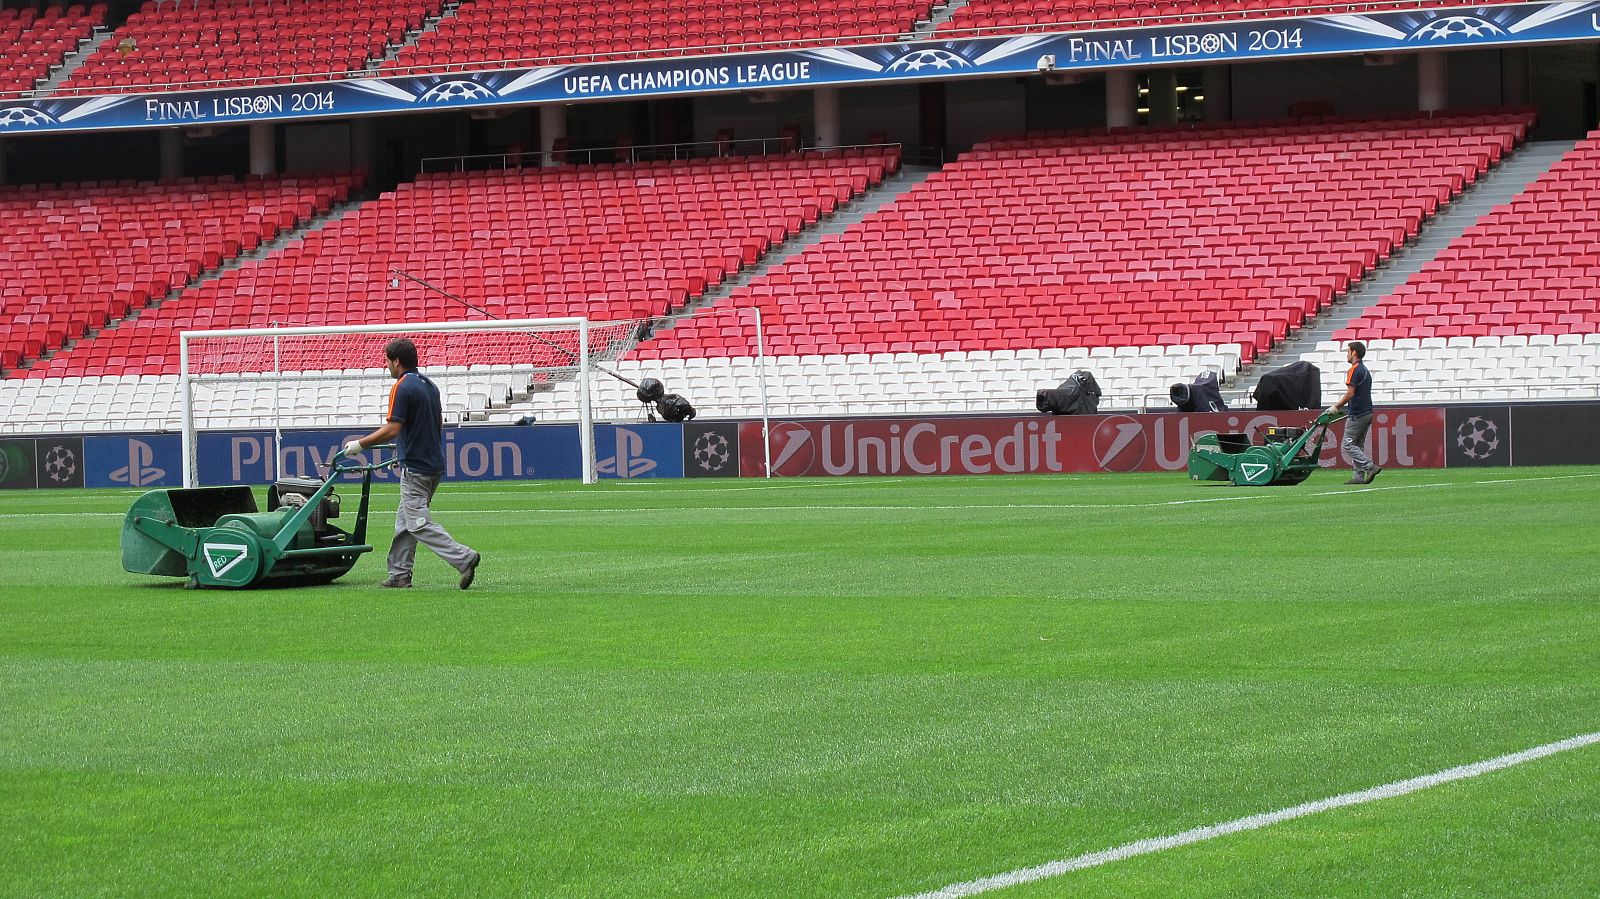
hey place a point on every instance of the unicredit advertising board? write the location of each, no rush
(1401, 437)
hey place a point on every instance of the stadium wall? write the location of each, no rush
(1402, 437)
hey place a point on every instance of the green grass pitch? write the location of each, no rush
(856, 688)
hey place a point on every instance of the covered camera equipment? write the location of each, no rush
(1077, 395)
(1297, 385)
(650, 390)
(673, 407)
(1204, 395)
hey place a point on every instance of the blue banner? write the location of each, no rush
(1383, 32)
(141, 460)
(639, 451)
(246, 457)
(471, 454)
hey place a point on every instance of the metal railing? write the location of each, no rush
(654, 54)
(710, 149)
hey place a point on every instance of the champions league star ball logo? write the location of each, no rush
(929, 61)
(60, 464)
(23, 117)
(711, 451)
(1478, 438)
(454, 91)
(1455, 28)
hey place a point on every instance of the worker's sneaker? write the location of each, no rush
(1356, 479)
(392, 581)
(1372, 474)
(471, 571)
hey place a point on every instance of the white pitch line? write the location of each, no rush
(1254, 822)
(834, 483)
(1257, 494)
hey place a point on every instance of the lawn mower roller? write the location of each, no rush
(216, 538)
(1285, 456)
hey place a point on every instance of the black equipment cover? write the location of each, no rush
(650, 390)
(1204, 395)
(1297, 385)
(673, 407)
(1077, 395)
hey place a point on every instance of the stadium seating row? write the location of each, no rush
(855, 383)
(486, 32)
(1001, 15)
(1562, 367)
(221, 42)
(1439, 369)
(232, 41)
(33, 42)
(81, 257)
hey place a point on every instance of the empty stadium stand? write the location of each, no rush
(1033, 15)
(78, 257)
(610, 242)
(230, 42)
(31, 43)
(1151, 238)
(1142, 256)
(485, 32)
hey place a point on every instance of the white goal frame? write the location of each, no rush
(584, 372)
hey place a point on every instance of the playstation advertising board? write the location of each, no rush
(1379, 32)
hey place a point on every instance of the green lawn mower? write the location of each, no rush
(215, 537)
(1286, 456)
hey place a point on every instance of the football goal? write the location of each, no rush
(336, 376)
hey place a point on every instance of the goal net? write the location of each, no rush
(337, 377)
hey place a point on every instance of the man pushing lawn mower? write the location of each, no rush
(1357, 403)
(415, 422)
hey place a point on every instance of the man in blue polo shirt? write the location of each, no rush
(1357, 403)
(416, 424)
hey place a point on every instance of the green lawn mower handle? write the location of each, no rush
(359, 534)
(1320, 428)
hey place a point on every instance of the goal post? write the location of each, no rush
(335, 376)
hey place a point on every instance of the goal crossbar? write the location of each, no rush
(579, 362)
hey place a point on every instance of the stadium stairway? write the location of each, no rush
(942, 12)
(841, 220)
(73, 61)
(393, 51)
(1495, 188)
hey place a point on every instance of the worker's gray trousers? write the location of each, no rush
(413, 524)
(1355, 440)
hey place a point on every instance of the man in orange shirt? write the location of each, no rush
(1357, 402)
(416, 424)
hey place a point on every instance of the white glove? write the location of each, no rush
(351, 448)
(1333, 410)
